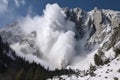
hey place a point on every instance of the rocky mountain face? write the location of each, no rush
(98, 31)
(11, 33)
(99, 22)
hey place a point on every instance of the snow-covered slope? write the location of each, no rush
(11, 33)
(110, 71)
(70, 38)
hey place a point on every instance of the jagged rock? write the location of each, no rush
(12, 33)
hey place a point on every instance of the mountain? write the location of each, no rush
(13, 67)
(88, 42)
(11, 33)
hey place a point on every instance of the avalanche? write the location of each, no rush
(55, 35)
(69, 38)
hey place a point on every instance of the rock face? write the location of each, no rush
(102, 25)
(11, 33)
(27, 44)
(78, 16)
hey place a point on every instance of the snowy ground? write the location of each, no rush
(110, 71)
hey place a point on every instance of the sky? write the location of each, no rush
(12, 10)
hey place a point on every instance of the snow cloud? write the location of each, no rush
(55, 35)
(3, 6)
(19, 2)
(5, 1)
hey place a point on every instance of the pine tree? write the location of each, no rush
(20, 75)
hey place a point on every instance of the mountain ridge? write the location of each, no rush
(95, 34)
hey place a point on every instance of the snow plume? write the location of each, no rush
(3, 6)
(19, 2)
(55, 35)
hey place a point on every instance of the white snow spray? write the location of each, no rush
(55, 35)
